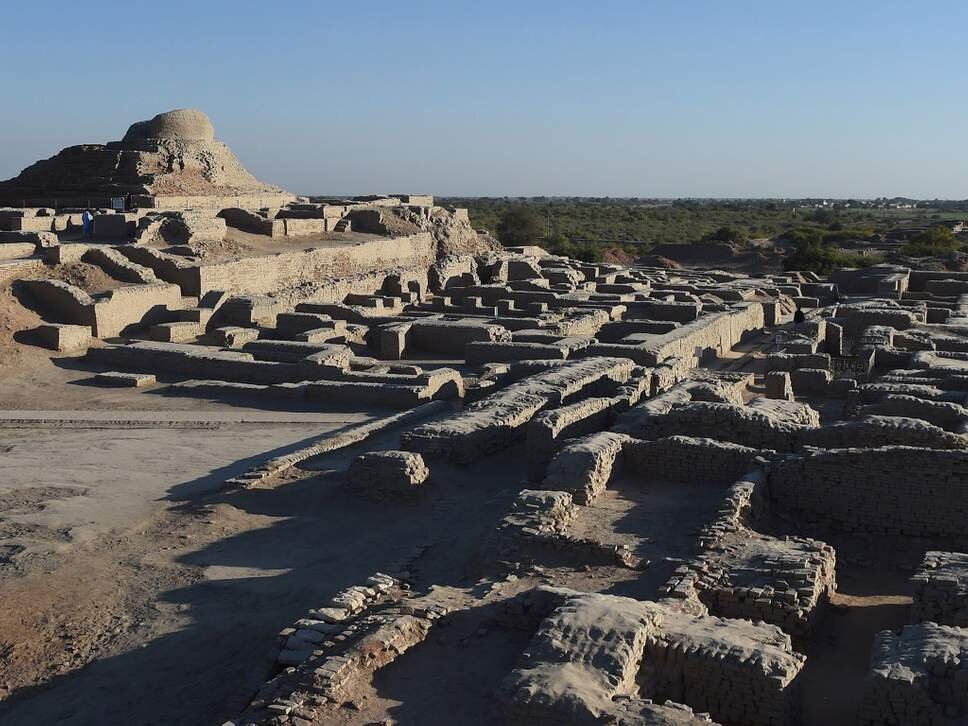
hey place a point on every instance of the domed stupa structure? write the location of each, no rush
(169, 161)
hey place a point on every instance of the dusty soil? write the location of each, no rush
(618, 256)
(15, 319)
(89, 278)
(185, 603)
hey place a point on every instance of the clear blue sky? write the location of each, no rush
(630, 98)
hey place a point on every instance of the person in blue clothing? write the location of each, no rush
(86, 220)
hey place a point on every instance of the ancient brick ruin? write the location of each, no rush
(686, 459)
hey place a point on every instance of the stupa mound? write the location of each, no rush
(184, 124)
(172, 159)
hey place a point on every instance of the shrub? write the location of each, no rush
(824, 259)
(519, 225)
(936, 241)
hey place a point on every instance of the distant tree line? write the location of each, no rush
(585, 228)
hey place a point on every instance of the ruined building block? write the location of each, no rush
(941, 589)
(810, 381)
(792, 361)
(125, 380)
(583, 466)
(290, 324)
(706, 662)
(917, 677)
(879, 490)
(769, 424)
(684, 458)
(176, 332)
(872, 431)
(538, 511)
(584, 655)
(379, 473)
(778, 385)
(747, 575)
(494, 423)
(594, 653)
(548, 429)
(64, 338)
(234, 337)
(479, 353)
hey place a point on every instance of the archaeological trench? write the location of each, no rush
(561, 493)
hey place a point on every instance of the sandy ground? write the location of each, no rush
(123, 565)
(86, 484)
(185, 603)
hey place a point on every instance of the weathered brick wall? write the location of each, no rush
(289, 269)
(682, 458)
(66, 303)
(920, 278)
(917, 676)
(135, 305)
(169, 268)
(717, 332)
(888, 490)
(738, 424)
(941, 589)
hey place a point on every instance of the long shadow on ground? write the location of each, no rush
(319, 539)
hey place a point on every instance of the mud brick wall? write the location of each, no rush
(336, 290)
(681, 312)
(941, 589)
(738, 671)
(127, 307)
(947, 415)
(548, 429)
(873, 431)
(495, 422)
(251, 222)
(896, 490)
(289, 269)
(946, 288)
(613, 332)
(169, 268)
(450, 337)
(855, 320)
(13, 250)
(583, 655)
(683, 458)
(780, 581)
(739, 424)
(792, 361)
(718, 332)
(479, 353)
(920, 278)
(917, 677)
(67, 303)
(584, 466)
(297, 227)
(161, 358)
(119, 266)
